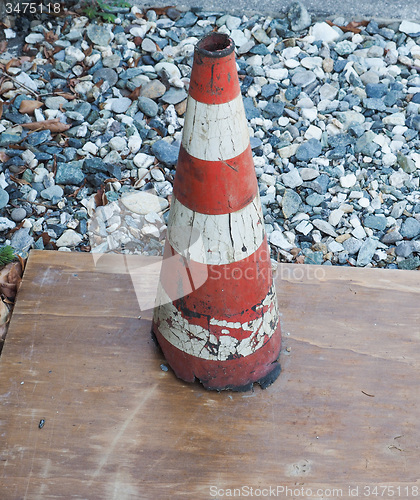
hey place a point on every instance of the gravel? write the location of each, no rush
(333, 114)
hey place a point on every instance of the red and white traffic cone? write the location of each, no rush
(216, 318)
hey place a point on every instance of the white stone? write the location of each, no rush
(334, 246)
(304, 227)
(75, 53)
(359, 233)
(313, 132)
(8, 33)
(398, 178)
(328, 91)
(34, 38)
(311, 62)
(26, 80)
(279, 240)
(394, 119)
(134, 143)
(170, 68)
(142, 202)
(324, 32)
(364, 202)
(308, 174)
(6, 224)
(83, 87)
(335, 216)
(348, 181)
(90, 147)
(291, 63)
(409, 28)
(292, 179)
(69, 239)
(276, 73)
(239, 38)
(324, 227)
(309, 113)
(288, 151)
(389, 159)
(117, 143)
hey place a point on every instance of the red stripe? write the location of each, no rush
(214, 81)
(215, 187)
(231, 292)
(232, 373)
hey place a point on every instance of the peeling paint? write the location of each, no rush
(215, 131)
(215, 343)
(225, 238)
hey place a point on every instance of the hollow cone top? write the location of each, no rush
(214, 79)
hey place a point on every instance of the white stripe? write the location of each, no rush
(192, 339)
(215, 132)
(222, 239)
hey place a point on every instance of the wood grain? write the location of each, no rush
(344, 411)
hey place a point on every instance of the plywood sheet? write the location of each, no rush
(343, 414)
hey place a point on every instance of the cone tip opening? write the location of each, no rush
(215, 45)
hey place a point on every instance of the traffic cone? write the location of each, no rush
(224, 332)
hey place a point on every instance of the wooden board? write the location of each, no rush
(344, 412)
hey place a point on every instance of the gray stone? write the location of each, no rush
(373, 103)
(410, 228)
(291, 202)
(55, 102)
(404, 249)
(324, 227)
(4, 198)
(352, 245)
(37, 138)
(69, 173)
(365, 144)
(409, 264)
(292, 179)
(308, 150)
(153, 89)
(303, 78)
(148, 106)
(314, 199)
(174, 96)
(298, 16)
(274, 109)
(52, 192)
(165, 152)
(99, 34)
(391, 238)
(375, 222)
(366, 252)
(21, 241)
(18, 214)
(119, 104)
(107, 75)
(112, 61)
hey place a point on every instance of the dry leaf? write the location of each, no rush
(50, 36)
(3, 46)
(54, 125)
(29, 106)
(3, 157)
(10, 279)
(135, 94)
(4, 313)
(353, 26)
(1, 110)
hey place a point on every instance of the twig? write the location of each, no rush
(36, 94)
(227, 164)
